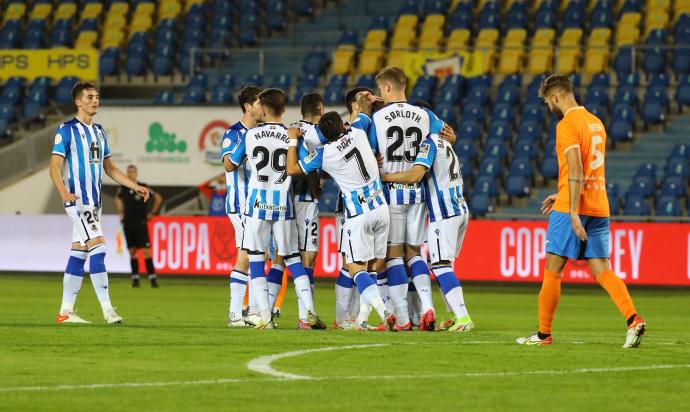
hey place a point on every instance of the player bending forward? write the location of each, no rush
(579, 213)
(270, 207)
(448, 218)
(84, 145)
(348, 159)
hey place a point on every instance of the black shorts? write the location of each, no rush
(136, 234)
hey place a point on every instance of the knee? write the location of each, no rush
(147, 253)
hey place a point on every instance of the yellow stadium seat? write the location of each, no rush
(515, 38)
(343, 59)
(681, 8)
(15, 11)
(599, 37)
(627, 36)
(86, 40)
(403, 39)
(458, 40)
(570, 38)
(189, 3)
(433, 24)
(596, 61)
(119, 8)
(41, 11)
(487, 57)
(141, 22)
(395, 58)
(664, 5)
(370, 61)
(91, 11)
(540, 61)
(115, 21)
(169, 10)
(65, 11)
(375, 39)
(407, 22)
(543, 38)
(657, 19)
(112, 38)
(510, 62)
(630, 19)
(431, 41)
(144, 8)
(486, 38)
(567, 62)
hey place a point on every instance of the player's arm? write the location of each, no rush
(119, 205)
(448, 134)
(413, 175)
(234, 158)
(157, 204)
(120, 177)
(576, 178)
(314, 184)
(292, 162)
(56, 162)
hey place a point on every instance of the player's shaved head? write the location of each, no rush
(331, 126)
(351, 96)
(393, 76)
(311, 105)
(248, 95)
(273, 100)
(556, 83)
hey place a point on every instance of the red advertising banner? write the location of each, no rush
(508, 251)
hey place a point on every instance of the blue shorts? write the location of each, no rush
(562, 241)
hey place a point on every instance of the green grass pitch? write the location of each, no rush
(174, 352)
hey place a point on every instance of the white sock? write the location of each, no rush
(364, 312)
(238, 287)
(303, 286)
(353, 310)
(259, 288)
(383, 292)
(253, 305)
(71, 281)
(371, 296)
(343, 297)
(273, 291)
(100, 285)
(301, 310)
(422, 282)
(456, 300)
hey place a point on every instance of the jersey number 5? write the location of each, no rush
(598, 155)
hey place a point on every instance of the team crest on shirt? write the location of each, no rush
(93, 227)
(83, 136)
(313, 242)
(226, 143)
(58, 138)
(349, 232)
(311, 156)
(423, 150)
(100, 135)
(306, 221)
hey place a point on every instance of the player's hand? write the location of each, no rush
(448, 134)
(69, 197)
(547, 204)
(294, 133)
(577, 226)
(379, 160)
(143, 192)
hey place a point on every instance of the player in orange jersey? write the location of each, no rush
(579, 212)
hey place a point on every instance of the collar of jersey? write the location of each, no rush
(573, 108)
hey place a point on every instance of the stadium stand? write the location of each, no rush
(630, 61)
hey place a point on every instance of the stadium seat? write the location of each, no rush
(674, 186)
(474, 113)
(529, 131)
(495, 148)
(644, 186)
(525, 149)
(491, 166)
(668, 206)
(165, 97)
(481, 204)
(517, 186)
(469, 130)
(521, 166)
(636, 206)
(549, 167)
(621, 131)
(485, 185)
(677, 166)
(683, 92)
(499, 131)
(63, 92)
(221, 95)
(466, 149)
(680, 150)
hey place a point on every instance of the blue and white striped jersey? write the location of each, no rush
(443, 183)
(310, 140)
(269, 192)
(396, 132)
(84, 149)
(237, 180)
(351, 164)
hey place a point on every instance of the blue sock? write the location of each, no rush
(275, 275)
(446, 278)
(344, 280)
(363, 281)
(397, 275)
(310, 273)
(257, 269)
(418, 266)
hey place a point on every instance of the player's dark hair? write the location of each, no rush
(128, 166)
(78, 89)
(331, 126)
(351, 95)
(423, 104)
(310, 104)
(395, 76)
(248, 95)
(557, 82)
(274, 99)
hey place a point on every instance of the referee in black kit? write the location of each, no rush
(134, 215)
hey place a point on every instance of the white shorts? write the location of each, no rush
(86, 223)
(407, 224)
(237, 220)
(366, 235)
(307, 218)
(445, 238)
(257, 235)
(340, 235)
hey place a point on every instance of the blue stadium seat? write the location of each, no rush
(466, 149)
(674, 186)
(652, 113)
(626, 95)
(480, 204)
(635, 206)
(474, 113)
(622, 63)
(255, 79)
(338, 80)
(447, 97)
(613, 189)
(683, 91)
(478, 95)
(227, 80)
(283, 81)
(532, 113)
(598, 111)
(518, 186)
(668, 206)
(489, 19)
(469, 130)
(301, 91)
(248, 37)
(680, 150)
(485, 80)
(601, 80)
(304, 7)
(517, 19)
(485, 185)
(508, 95)
(495, 148)
(165, 97)
(466, 169)
(647, 170)
(597, 95)
(11, 95)
(677, 166)
(109, 61)
(491, 166)
(614, 208)
(135, 65)
(63, 92)
(521, 166)
(367, 81)
(221, 95)
(447, 114)
(333, 95)
(316, 61)
(601, 19)
(549, 167)
(620, 130)
(545, 19)
(654, 61)
(194, 95)
(7, 112)
(454, 83)
(529, 131)
(504, 113)
(644, 186)
(500, 131)
(421, 91)
(526, 149)
(348, 37)
(681, 60)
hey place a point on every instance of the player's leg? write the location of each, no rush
(286, 246)
(133, 248)
(415, 232)
(597, 254)
(239, 277)
(145, 245)
(561, 244)
(275, 277)
(256, 239)
(72, 280)
(343, 284)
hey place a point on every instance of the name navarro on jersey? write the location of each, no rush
(275, 134)
(406, 114)
(269, 206)
(364, 200)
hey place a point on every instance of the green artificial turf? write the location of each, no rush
(174, 352)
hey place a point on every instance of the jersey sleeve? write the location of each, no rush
(426, 154)
(312, 161)
(302, 149)
(106, 148)
(362, 122)
(62, 143)
(227, 145)
(435, 124)
(567, 137)
(239, 151)
(373, 140)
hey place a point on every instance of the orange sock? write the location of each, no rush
(549, 296)
(616, 288)
(281, 294)
(245, 302)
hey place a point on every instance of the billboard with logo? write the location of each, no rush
(171, 146)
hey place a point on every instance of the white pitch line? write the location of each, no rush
(263, 363)
(337, 378)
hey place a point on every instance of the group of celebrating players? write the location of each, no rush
(273, 176)
(400, 185)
